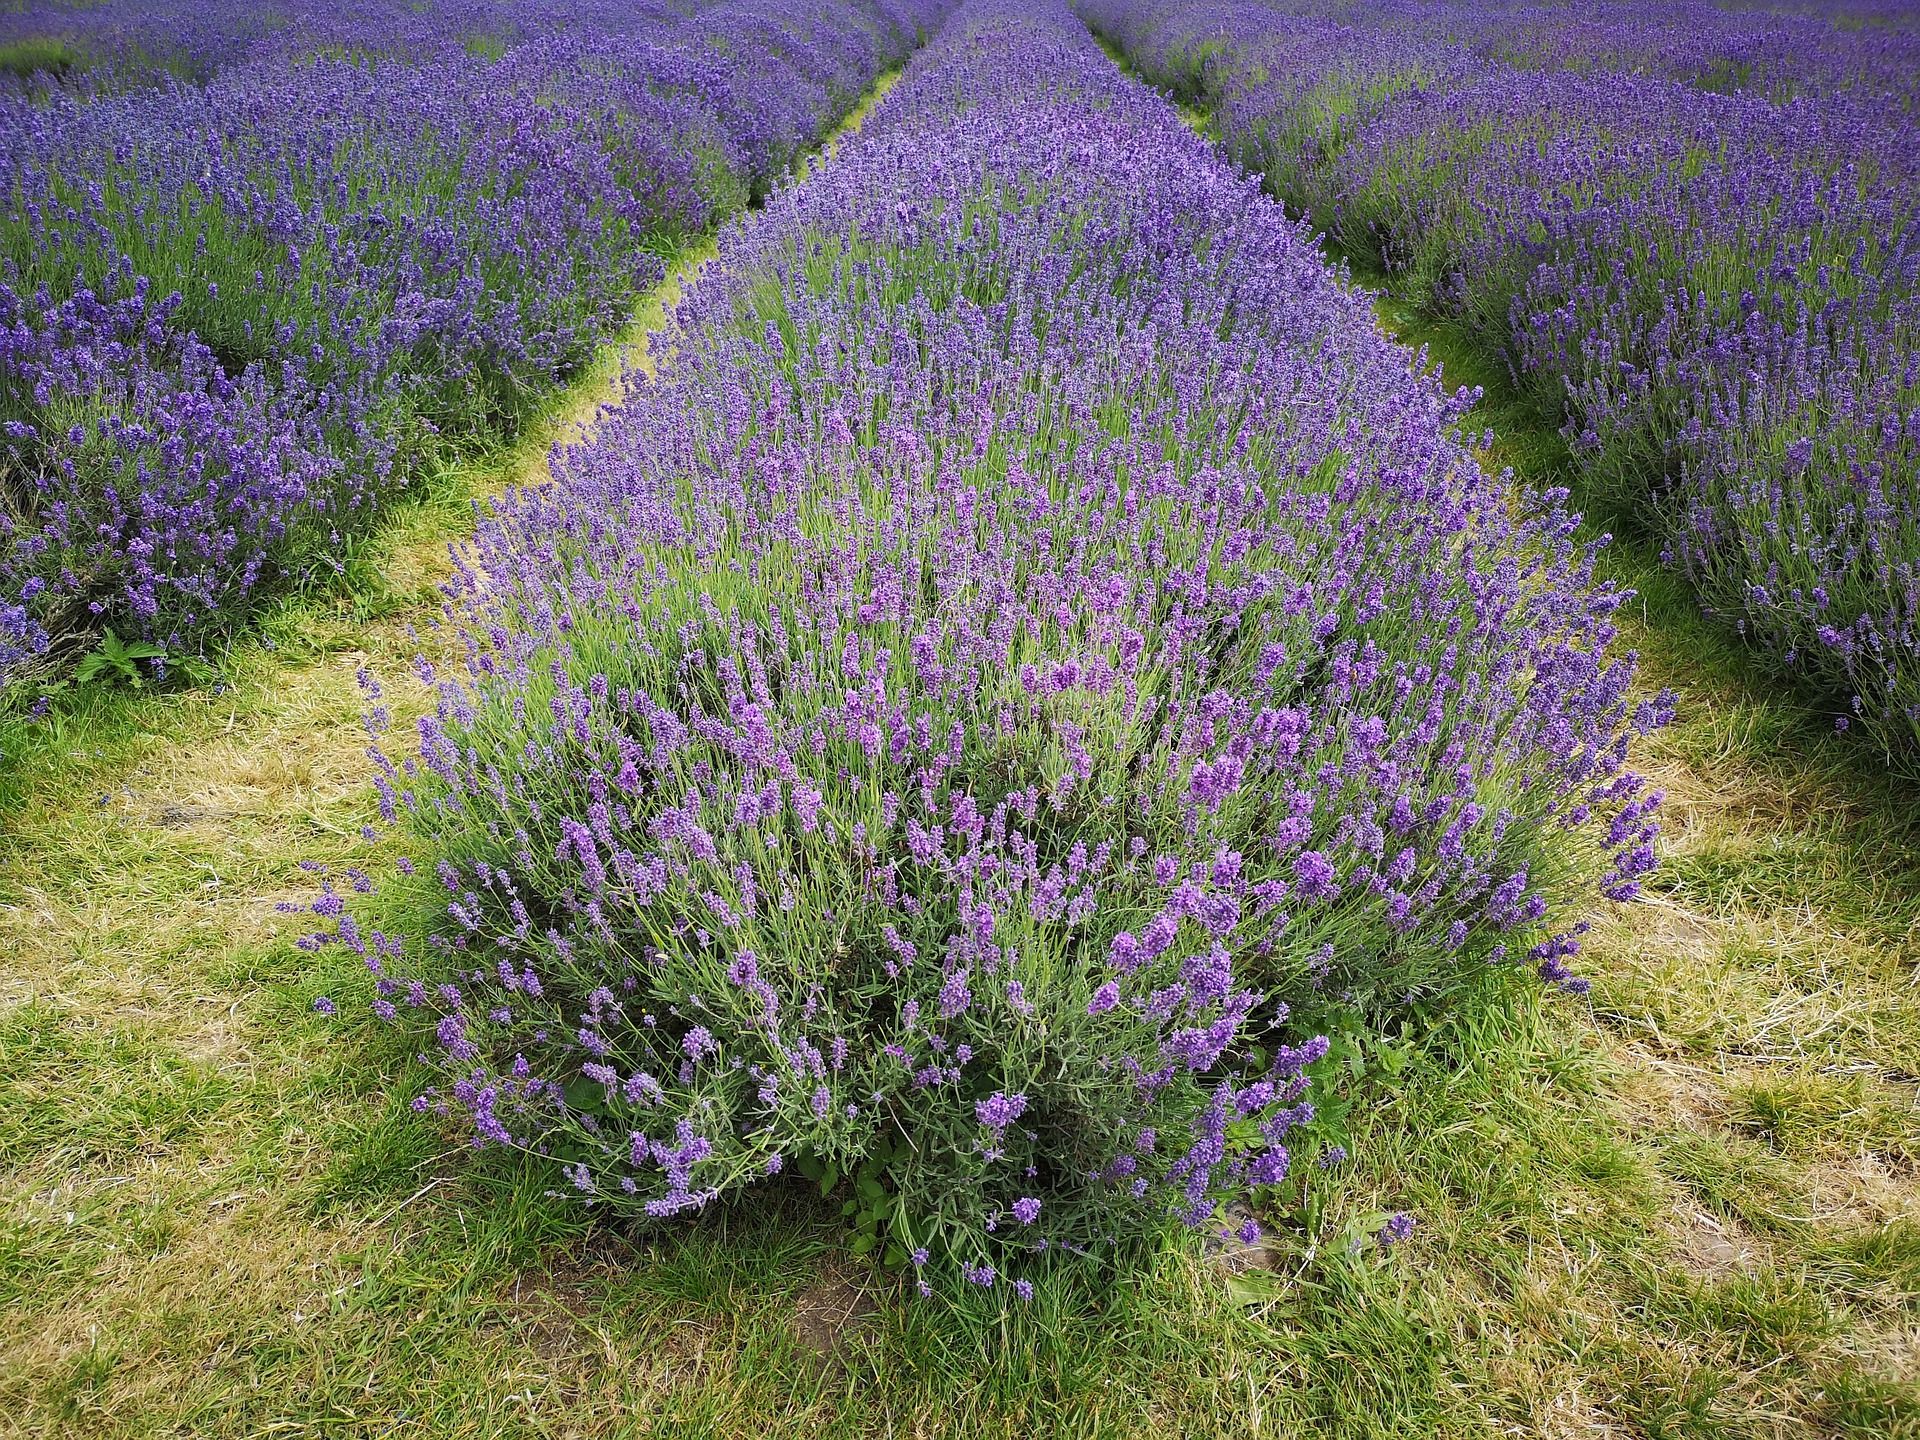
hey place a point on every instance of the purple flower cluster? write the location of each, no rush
(1035, 631)
(233, 315)
(1696, 229)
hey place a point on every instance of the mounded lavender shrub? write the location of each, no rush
(385, 256)
(1035, 644)
(1692, 229)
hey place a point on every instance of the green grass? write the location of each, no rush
(1687, 1209)
(40, 54)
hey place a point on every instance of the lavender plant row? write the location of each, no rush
(102, 46)
(232, 316)
(1721, 289)
(1036, 647)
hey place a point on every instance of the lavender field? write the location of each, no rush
(241, 312)
(959, 717)
(1690, 230)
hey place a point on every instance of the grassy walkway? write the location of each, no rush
(1732, 1245)
(1690, 1209)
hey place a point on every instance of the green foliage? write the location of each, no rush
(119, 662)
(40, 55)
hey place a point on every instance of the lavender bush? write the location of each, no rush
(1693, 228)
(236, 314)
(1036, 646)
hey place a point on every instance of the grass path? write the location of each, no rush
(1688, 1209)
(1753, 1039)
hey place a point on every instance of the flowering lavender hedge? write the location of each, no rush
(1721, 289)
(1036, 646)
(101, 46)
(233, 315)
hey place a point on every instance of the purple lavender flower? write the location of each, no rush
(1000, 1110)
(1315, 874)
